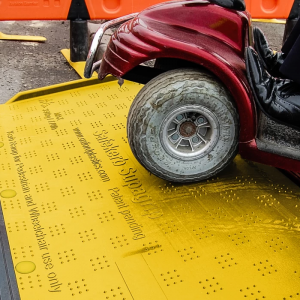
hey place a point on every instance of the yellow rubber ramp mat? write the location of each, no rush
(85, 221)
(12, 37)
(275, 21)
(77, 66)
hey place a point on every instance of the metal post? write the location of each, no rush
(78, 40)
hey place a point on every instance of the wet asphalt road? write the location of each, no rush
(29, 65)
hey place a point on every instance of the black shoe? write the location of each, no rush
(272, 60)
(278, 98)
(231, 4)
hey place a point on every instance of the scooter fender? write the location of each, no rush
(144, 38)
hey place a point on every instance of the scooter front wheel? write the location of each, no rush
(183, 126)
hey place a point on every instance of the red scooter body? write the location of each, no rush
(206, 34)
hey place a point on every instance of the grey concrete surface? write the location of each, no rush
(29, 65)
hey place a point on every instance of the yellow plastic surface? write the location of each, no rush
(88, 222)
(30, 38)
(275, 21)
(77, 66)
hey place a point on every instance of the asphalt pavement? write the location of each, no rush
(29, 65)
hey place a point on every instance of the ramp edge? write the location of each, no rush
(58, 88)
(8, 283)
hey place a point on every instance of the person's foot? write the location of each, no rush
(231, 4)
(272, 60)
(278, 98)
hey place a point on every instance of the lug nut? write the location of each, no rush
(200, 120)
(179, 117)
(195, 139)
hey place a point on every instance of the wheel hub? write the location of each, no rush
(187, 129)
(189, 132)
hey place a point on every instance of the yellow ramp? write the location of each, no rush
(85, 221)
(29, 38)
(77, 66)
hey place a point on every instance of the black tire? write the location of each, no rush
(183, 126)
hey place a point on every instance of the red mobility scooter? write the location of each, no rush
(196, 110)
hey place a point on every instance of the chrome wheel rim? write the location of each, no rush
(189, 132)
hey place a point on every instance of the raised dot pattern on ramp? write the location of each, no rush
(86, 221)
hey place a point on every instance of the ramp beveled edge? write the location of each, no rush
(8, 283)
(58, 88)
